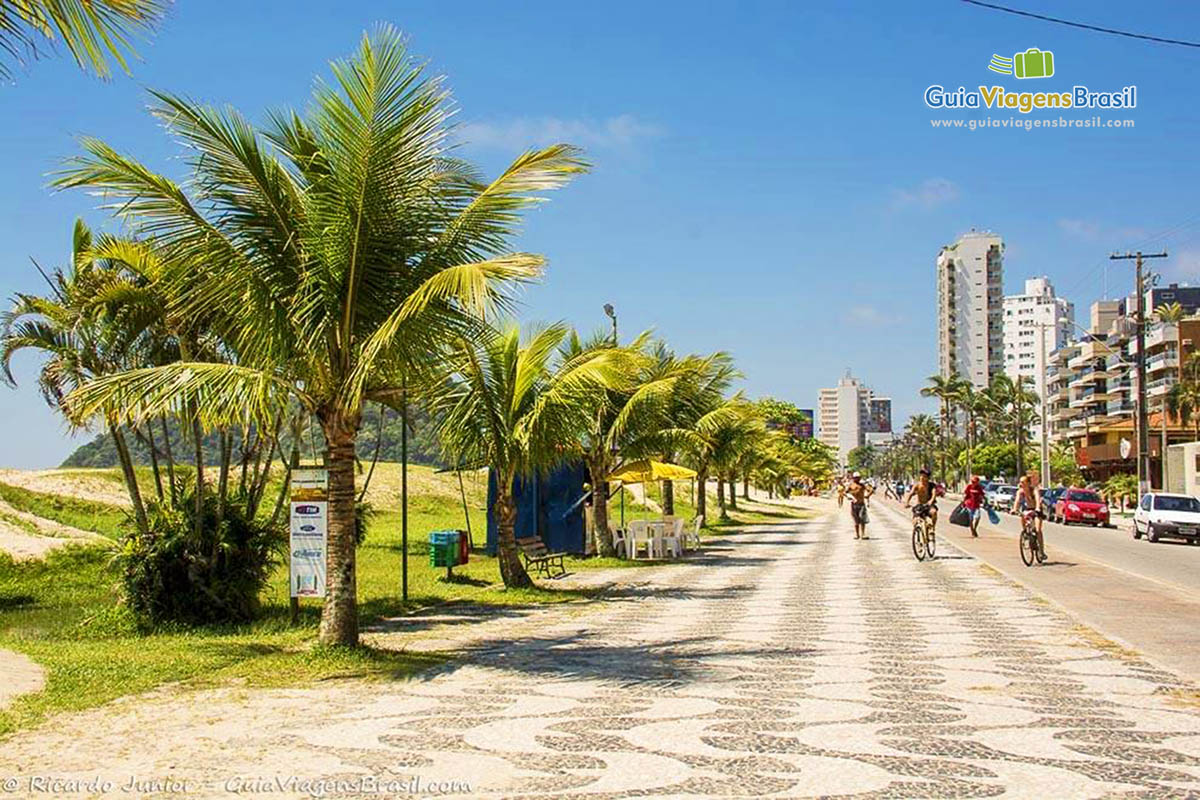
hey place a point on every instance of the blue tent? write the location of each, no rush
(548, 506)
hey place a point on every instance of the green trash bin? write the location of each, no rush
(443, 548)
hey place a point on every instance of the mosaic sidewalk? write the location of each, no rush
(789, 661)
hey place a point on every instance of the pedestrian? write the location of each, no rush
(973, 500)
(841, 493)
(859, 493)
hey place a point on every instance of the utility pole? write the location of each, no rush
(1143, 431)
(1018, 431)
(1046, 481)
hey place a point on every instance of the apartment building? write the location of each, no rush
(1036, 323)
(850, 411)
(970, 281)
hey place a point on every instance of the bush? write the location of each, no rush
(171, 575)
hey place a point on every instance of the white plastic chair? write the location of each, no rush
(638, 537)
(694, 533)
(620, 540)
(671, 539)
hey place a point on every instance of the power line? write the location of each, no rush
(1085, 26)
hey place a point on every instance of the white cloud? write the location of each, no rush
(869, 315)
(1091, 231)
(930, 193)
(623, 130)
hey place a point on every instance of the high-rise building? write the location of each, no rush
(847, 413)
(1036, 324)
(970, 281)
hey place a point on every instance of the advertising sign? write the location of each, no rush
(309, 531)
(805, 429)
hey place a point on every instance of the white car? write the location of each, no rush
(1171, 515)
(1001, 496)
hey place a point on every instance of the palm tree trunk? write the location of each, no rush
(701, 495)
(262, 474)
(746, 486)
(601, 539)
(198, 442)
(131, 484)
(339, 617)
(375, 458)
(223, 475)
(512, 571)
(721, 496)
(170, 456)
(668, 498)
(158, 487)
(732, 483)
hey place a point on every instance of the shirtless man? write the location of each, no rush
(859, 492)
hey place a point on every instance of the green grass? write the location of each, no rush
(65, 613)
(87, 515)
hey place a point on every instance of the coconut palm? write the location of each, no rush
(350, 248)
(92, 31)
(79, 343)
(510, 407)
(947, 390)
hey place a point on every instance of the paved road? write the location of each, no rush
(1170, 562)
(789, 661)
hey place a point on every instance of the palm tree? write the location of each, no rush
(509, 407)
(92, 31)
(946, 389)
(619, 414)
(701, 439)
(922, 431)
(80, 344)
(338, 252)
(1182, 400)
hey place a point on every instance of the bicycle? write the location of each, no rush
(1029, 540)
(924, 540)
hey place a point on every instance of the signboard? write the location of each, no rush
(309, 538)
(804, 430)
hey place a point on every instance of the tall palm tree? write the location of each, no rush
(79, 343)
(947, 390)
(92, 31)
(509, 406)
(350, 247)
(700, 441)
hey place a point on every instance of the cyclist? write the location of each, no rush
(1029, 502)
(925, 493)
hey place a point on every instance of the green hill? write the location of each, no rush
(422, 443)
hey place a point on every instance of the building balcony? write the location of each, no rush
(1161, 386)
(1169, 360)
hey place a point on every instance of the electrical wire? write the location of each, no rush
(1083, 25)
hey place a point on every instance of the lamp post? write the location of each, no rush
(611, 313)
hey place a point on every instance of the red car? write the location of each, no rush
(1081, 505)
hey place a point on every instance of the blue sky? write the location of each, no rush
(767, 180)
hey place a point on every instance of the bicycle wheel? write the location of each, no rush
(930, 542)
(918, 541)
(1028, 548)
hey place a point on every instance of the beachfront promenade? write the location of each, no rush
(787, 660)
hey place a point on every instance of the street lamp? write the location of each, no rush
(612, 314)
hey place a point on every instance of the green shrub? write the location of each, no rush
(174, 576)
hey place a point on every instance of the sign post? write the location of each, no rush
(309, 532)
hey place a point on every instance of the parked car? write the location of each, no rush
(1172, 515)
(1050, 497)
(1001, 496)
(1081, 505)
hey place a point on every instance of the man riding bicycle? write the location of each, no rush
(1029, 503)
(924, 491)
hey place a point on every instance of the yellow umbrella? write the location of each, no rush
(647, 470)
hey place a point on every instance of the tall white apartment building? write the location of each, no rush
(844, 415)
(970, 281)
(1036, 323)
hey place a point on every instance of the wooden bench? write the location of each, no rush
(539, 558)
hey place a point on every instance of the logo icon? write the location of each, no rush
(1033, 63)
(307, 511)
